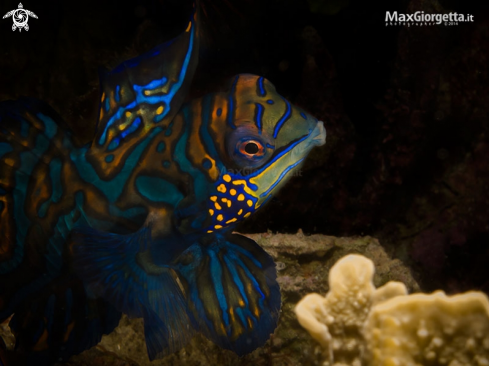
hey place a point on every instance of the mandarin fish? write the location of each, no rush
(140, 221)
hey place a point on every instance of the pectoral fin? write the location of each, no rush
(232, 291)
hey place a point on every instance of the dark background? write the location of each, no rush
(405, 108)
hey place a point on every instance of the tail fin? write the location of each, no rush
(232, 291)
(113, 267)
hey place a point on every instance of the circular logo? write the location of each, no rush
(20, 18)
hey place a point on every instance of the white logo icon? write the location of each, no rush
(20, 17)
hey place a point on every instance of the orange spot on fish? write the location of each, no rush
(69, 328)
(42, 343)
(9, 161)
(222, 188)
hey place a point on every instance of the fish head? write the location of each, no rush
(265, 140)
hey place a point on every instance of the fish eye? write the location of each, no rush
(251, 148)
(246, 148)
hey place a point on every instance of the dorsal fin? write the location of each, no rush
(141, 94)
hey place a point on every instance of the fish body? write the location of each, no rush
(140, 221)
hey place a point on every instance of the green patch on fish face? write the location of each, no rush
(265, 140)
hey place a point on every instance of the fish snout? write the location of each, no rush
(318, 135)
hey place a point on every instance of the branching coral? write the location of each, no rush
(358, 324)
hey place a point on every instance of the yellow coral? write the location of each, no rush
(431, 329)
(358, 324)
(336, 321)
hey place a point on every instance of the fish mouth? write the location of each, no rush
(318, 135)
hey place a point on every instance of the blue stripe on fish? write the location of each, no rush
(283, 119)
(261, 89)
(231, 103)
(279, 179)
(259, 110)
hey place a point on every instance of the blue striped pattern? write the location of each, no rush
(258, 116)
(281, 176)
(261, 89)
(231, 103)
(235, 299)
(283, 119)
